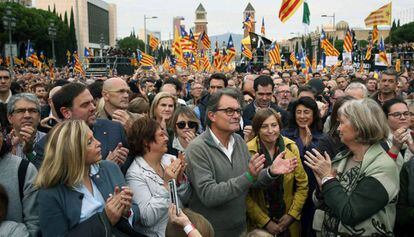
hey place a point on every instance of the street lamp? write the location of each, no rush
(334, 26)
(145, 29)
(101, 44)
(9, 23)
(52, 35)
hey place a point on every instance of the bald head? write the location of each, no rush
(114, 82)
(115, 92)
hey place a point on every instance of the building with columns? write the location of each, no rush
(95, 21)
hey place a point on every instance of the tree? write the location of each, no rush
(394, 25)
(32, 24)
(65, 18)
(54, 9)
(398, 24)
(72, 33)
(308, 46)
(339, 45)
(303, 42)
(402, 34)
(131, 43)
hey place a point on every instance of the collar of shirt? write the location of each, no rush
(227, 150)
(176, 144)
(8, 98)
(257, 108)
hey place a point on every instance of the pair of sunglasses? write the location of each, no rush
(190, 124)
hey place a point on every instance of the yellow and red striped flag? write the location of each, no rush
(375, 35)
(288, 8)
(382, 16)
(368, 53)
(205, 40)
(153, 42)
(274, 54)
(177, 49)
(330, 50)
(231, 51)
(145, 60)
(348, 45)
(262, 29)
(246, 52)
(78, 65)
(292, 58)
(382, 52)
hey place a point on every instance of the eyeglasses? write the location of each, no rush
(24, 110)
(5, 78)
(120, 91)
(283, 92)
(231, 111)
(190, 124)
(399, 114)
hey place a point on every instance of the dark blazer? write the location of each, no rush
(107, 132)
(249, 111)
(60, 207)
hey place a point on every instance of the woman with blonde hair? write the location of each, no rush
(162, 107)
(80, 194)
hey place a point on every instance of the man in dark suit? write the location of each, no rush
(263, 88)
(74, 101)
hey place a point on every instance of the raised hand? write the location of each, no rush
(171, 171)
(308, 137)
(320, 165)
(118, 155)
(183, 166)
(256, 164)
(248, 133)
(283, 166)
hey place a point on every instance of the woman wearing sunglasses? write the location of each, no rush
(184, 124)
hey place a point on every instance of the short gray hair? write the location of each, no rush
(367, 118)
(213, 102)
(22, 96)
(357, 85)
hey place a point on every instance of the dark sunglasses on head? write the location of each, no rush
(191, 124)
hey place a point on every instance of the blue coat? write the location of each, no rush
(60, 206)
(107, 132)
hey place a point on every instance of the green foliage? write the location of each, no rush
(32, 24)
(131, 43)
(339, 45)
(362, 43)
(401, 34)
(72, 33)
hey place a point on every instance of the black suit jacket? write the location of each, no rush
(249, 112)
(107, 132)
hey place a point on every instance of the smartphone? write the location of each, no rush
(174, 195)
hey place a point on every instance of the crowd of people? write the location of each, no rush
(267, 153)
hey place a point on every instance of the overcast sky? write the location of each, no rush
(226, 15)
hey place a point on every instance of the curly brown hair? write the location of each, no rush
(142, 133)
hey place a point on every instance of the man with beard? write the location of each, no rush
(74, 101)
(283, 96)
(388, 82)
(23, 113)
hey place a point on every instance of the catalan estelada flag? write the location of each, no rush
(153, 42)
(246, 52)
(382, 53)
(231, 51)
(330, 50)
(288, 8)
(348, 45)
(248, 23)
(382, 16)
(274, 54)
(177, 49)
(144, 59)
(205, 40)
